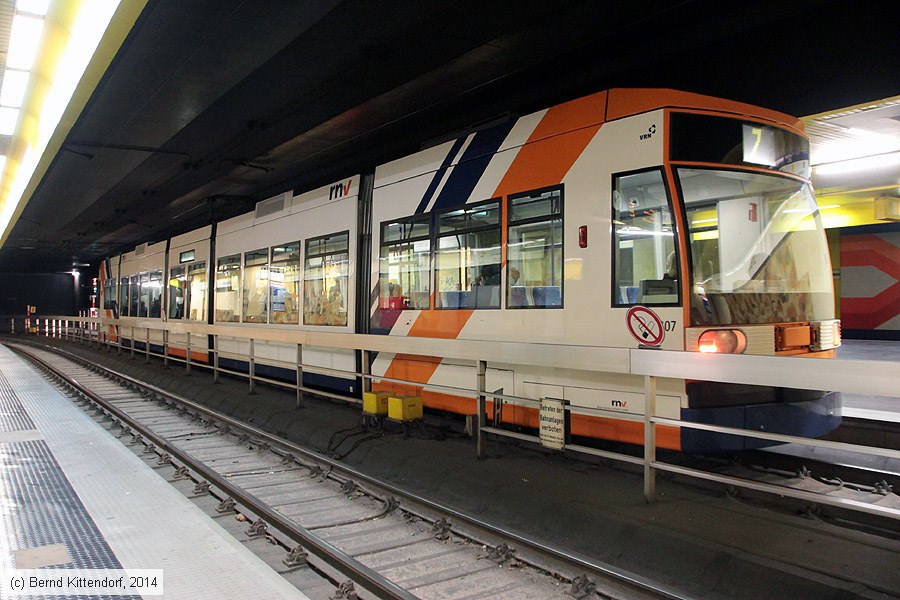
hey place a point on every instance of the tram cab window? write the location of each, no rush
(645, 261)
(284, 283)
(256, 286)
(326, 279)
(195, 290)
(176, 293)
(404, 273)
(135, 287)
(534, 272)
(151, 293)
(467, 261)
(228, 289)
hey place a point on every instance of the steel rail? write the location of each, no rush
(574, 559)
(366, 577)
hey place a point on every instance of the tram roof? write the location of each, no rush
(208, 107)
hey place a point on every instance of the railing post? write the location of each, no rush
(252, 368)
(481, 421)
(119, 340)
(132, 342)
(366, 371)
(215, 358)
(649, 438)
(187, 355)
(165, 348)
(147, 347)
(299, 375)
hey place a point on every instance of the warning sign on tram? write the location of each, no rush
(645, 326)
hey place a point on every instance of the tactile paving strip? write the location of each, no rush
(46, 509)
(13, 416)
(146, 522)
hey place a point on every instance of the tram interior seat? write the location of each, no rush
(486, 296)
(481, 296)
(537, 295)
(548, 295)
(455, 299)
(658, 291)
(518, 296)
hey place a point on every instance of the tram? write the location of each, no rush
(627, 218)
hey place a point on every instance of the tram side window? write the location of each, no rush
(176, 293)
(467, 261)
(404, 273)
(195, 288)
(534, 274)
(325, 280)
(151, 290)
(143, 294)
(646, 265)
(123, 297)
(109, 294)
(256, 286)
(228, 289)
(135, 286)
(284, 284)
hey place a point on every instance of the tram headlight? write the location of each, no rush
(722, 341)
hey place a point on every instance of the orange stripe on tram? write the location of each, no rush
(543, 161)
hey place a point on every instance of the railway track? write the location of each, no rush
(366, 536)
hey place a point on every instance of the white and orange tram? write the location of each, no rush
(631, 217)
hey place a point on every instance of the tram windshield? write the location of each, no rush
(757, 247)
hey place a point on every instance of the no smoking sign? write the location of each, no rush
(645, 326)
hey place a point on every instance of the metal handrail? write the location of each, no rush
(863, 377)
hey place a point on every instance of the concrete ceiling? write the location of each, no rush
(213, 105)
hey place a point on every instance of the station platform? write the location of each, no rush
(73, 499)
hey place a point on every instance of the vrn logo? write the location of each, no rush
(339, 190)
(620, 403)
(650, 132)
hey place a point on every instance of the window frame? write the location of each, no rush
(300, 269)
(169, 286)
(676, 235)
(429, 219)
(110, 284)
(437, 235)
(154, 275)
(190, 269)
(124, 307)
(240, 283)
(540, 219)
(307, 256)
(257, 252)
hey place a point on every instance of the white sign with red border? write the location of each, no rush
(645, 326)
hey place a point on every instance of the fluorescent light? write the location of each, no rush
(866, 163)
(35, 7)
(23, 41)
(8, 119)
(15, 83)
(701, 221)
